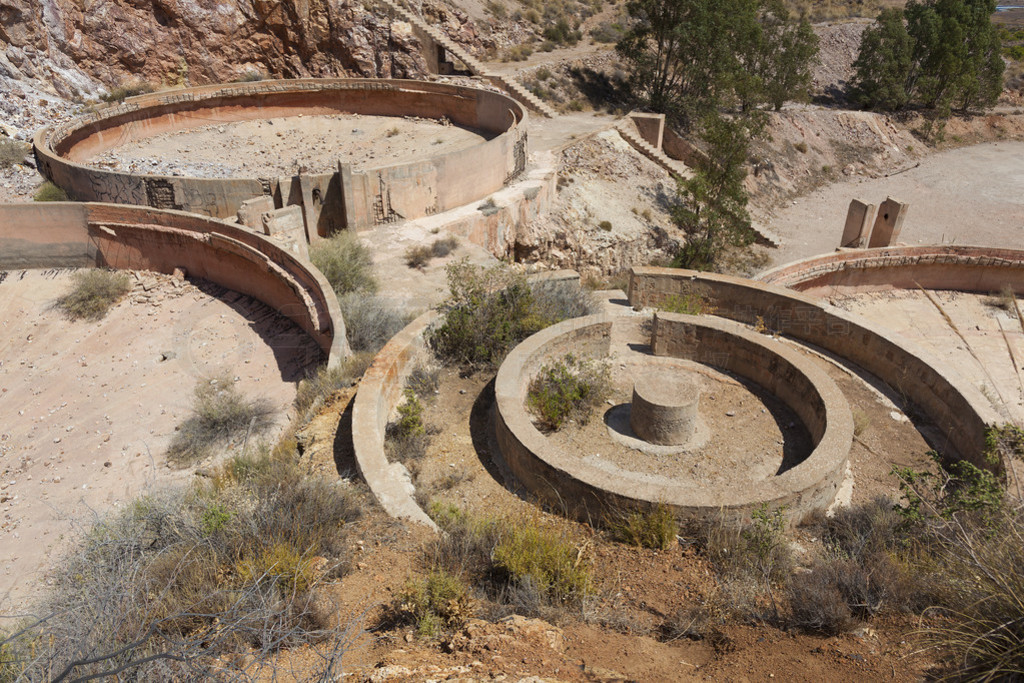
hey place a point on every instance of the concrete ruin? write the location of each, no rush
(664, 408)
(350, 198)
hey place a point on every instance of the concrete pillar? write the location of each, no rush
(664, 408)
(859, 219)
(889, 222)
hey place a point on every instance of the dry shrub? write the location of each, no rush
(320, 386)
(418, 256)
(93, 293)
(48, 192)
(126, 90)
(655, 528)
(220, 415)
(346, 263)
(173, 585)
(11, 152)
(370, 321)
(439, 602)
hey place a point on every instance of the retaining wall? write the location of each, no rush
(956, 408)
(982, 270)
(356, 198)
(57, 235)
(379, 392)
(566, 482)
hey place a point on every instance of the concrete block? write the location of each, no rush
(251, 212)
(650, 126)
(889, 222)
(859, 219)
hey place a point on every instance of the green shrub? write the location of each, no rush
(655, 529)
(529, 552)
(438, 602)
(490, 310)
(220, 414)
(346, 263)
(370, 321)
(605, 225)
(567, 389)
(407, 437)
(11, 152)
(93, 292)
(48, 192)
(689, 302)
(126, 90)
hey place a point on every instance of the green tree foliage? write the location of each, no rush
(713, 208)
(690, 57)
(938, 54)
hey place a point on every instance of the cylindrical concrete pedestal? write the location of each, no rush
(664, 409)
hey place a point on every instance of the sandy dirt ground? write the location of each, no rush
(970, 196)
(280, 146)
(89, 408)
(989, 354)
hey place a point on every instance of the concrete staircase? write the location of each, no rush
(472, 64)
(629, 133)
(627, 129)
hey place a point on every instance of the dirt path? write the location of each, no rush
(970, 196)
(89, 408)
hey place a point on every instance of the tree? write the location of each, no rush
(937, 54)
(713, 207)
(691, 57)
(883, 65)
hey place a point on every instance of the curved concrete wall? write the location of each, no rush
(965, 269)
(956, 408)
(566, 482)
(53, 235)
(349, 198)
(380, 390)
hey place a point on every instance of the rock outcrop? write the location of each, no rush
(76, 46)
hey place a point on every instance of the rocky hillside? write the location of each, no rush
(78, 46)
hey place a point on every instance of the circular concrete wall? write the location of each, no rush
(354, 198)
(75, 235)
(566, 482)
(982, 270)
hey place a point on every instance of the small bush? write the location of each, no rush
(93, 293)
(527, 551)
(11, 152)
(424, 382)
(497, 9)
(220, 414)
(439, 602)
(655, 529)
(801, 147)
(605, 225)
(326, 381)
(567, 389)
(407, 437)
(392, 132)
(346, 263)
(418, 256)
(126, 90)
(444, 246)
(370, 321)
(490, 310)
(690, 303)
(48, 192)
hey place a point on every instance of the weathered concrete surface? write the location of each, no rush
(958, 411)
(664, 408)
(66, 234)
(370, 196)
(859, 219)
(567, 482)
(982, 270)
(888, 223)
